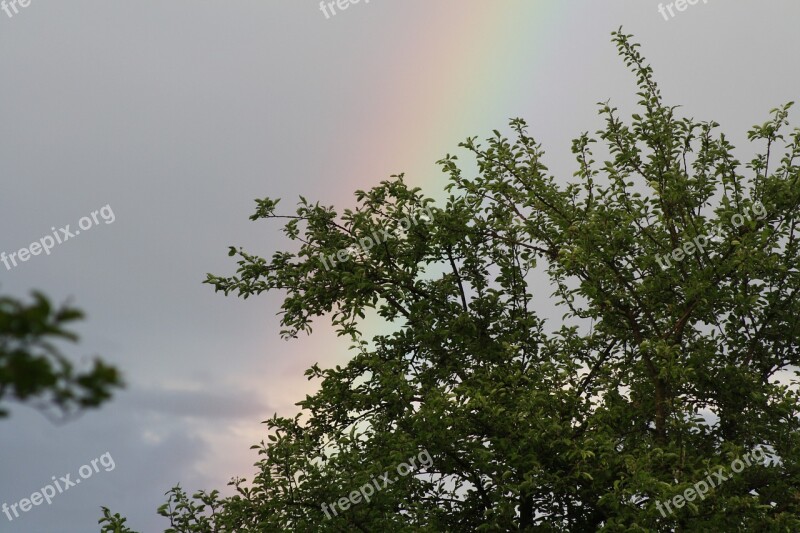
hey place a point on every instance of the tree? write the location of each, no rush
(34, 371)
(670, 361)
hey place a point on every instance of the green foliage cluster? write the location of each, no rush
(653, 377)
(32, 368)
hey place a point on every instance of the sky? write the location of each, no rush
(174, 116)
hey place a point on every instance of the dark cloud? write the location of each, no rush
(199, 404)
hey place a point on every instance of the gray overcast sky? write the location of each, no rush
(178, 114)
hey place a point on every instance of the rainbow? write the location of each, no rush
(460, 70)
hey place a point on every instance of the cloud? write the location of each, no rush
(198, 404)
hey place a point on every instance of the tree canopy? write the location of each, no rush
(659, 373)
